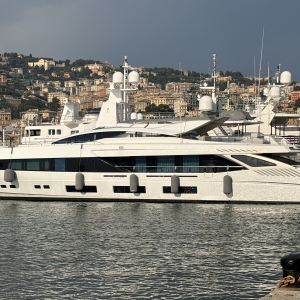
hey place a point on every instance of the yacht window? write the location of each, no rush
(165, 164)
(126, 189)
(140, 164)
(33, 165)
(59, 164)
(35, 132)
(3, 164)
(45, 164)
(58, 131)
(17, 164)
(190, 163)
(86, 189)
(151, 163)
(51, 131)
(85, 137)
(181, 190)
(285, 160)
(253, 161)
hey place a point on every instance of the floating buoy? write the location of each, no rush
(227, 185)
(9, 175)
(79, 181)
(291, 265)
(174, 184)
(133, 183)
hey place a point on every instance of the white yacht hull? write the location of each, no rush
(247, 186)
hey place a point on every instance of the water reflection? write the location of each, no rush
(52, 250)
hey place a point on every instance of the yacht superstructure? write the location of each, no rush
(126, 158)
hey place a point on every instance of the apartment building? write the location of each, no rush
(295, 95)
(61, 97)
(5, 117)
(42, 62)
(141, 105)
(3, 79)
(177, 87)
(180, 107)
(30, 116)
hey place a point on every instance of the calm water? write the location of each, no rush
(65, 250)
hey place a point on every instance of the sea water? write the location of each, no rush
(71, 250)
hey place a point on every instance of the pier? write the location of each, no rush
(288, 287)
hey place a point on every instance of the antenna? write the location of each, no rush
(180, 70)
(214, 75)
(268, 74)
(261, 51)
(254, 76)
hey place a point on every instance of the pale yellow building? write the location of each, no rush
(141, 105)
(61, 97)
(42, 62)
(5, 117)
(180, 107)
(48, 114)
(177, 87)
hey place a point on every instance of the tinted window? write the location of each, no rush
(253, 161)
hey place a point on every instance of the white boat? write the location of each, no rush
(69, 124)
(136, 160)
(265, 110)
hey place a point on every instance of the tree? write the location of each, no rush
(151, 108)
(160, 108)
(297, 104)
(55, 104)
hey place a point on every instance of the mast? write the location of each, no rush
(214, 77)
(261, 51)
(125, 79)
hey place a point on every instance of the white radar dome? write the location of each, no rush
(285, 77)
(266, 91)
(275, 92)
(133, 116)
(206, 103)
(139, 116)
(134, 77)
(118, 77)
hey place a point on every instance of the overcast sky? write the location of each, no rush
(158, 33)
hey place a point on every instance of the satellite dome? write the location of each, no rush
(133, 116)
(285, 78)
(118, 77)
(274, 92)
(134, 77)
(139, 116)
(206, 103)
(266, 91)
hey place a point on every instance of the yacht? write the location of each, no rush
(265, 109)
(70, 123)
(126, 158)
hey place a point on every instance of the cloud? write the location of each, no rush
(153, 33)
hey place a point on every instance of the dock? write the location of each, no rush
(288, 287)
(283, 293)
